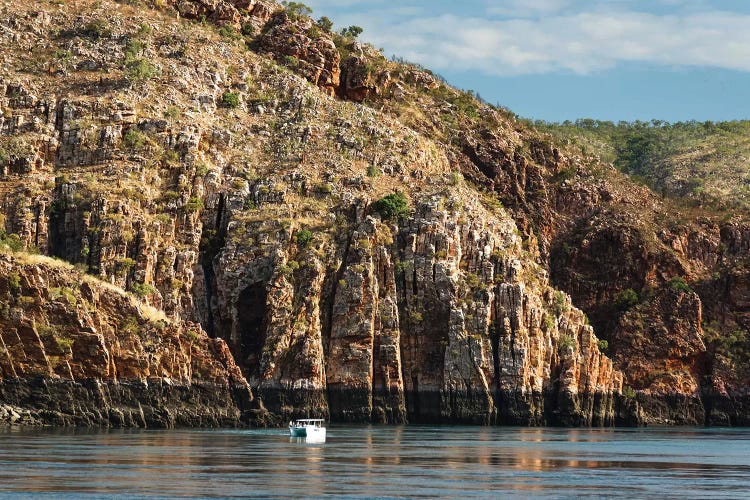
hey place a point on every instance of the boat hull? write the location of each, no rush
(309, 432)
(299, 432)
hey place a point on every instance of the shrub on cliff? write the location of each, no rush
(325, 24)
(626, 299)
(140, 70)
(628, 392)
(351, 32)
(559, 303)
(393, 206)
(296, 9)
(229, 33)
(142, 289)
(12, 148)
(133, 49)
(133, 139)
(194, 204)
(678, 285)
(566, 342)
(304, 237)
(248, 32)
(97, 29)
(230, 99)
(14, 282)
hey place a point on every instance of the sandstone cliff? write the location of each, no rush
(75, 351)
(228, 173)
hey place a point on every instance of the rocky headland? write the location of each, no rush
(249, 217)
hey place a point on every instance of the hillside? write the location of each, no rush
(705, 163)
(372, 244)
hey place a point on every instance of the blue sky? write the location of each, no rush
(566, 59)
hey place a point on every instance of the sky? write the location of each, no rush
(559, 60)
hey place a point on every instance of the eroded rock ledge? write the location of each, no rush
(76, 351)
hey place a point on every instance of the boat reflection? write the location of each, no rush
(308, 439)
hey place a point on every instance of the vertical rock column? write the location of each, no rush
(364, 363)
(291, 366)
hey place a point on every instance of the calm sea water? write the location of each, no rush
(414, 461)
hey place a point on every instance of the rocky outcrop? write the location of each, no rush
(75, 351)
(362, 74)
(606, 239)
(298, 43)
(433, 320)
(222, 12)
(660, 347)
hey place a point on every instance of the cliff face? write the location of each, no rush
(613, 245)
(75, 351)
(434, 320)
(222, 172)
(619, 251)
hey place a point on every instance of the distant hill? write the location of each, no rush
(704, 162)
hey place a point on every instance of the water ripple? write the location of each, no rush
(378, 462)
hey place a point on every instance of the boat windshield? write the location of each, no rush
(307, 421)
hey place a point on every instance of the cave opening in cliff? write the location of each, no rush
(251, 315)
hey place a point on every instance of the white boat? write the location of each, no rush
(310, 428)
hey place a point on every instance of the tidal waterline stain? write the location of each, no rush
(379, 461)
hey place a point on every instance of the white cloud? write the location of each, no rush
(515, 37)
(525, 8)
(582, 42)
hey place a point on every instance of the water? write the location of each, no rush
(414, 461)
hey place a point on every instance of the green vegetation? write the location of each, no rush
(14, 282)
(12, 241)
(559, 303)
(325, 24)
(140, 70)
(566, 342)
(351, 32)
(628, 392)
(133, 49)
(373, 171)
(705, 162)
(248, 30)
(290, 62)
(170, 157)
(324, 188)
(296, 9)
(548, 323)
(142, 289)
(133, 139)
(603, 345)
(734, 346)
(289, 268)
(63, 57)
(229, 32)
(304, 237)
(626, 299)
(123, 265)
(678, 284)
(64, 343)
(194, 204)
(192, 336)
(230, 99)
(63, 293)
(97, 29)
(14, 147)
(137, 68)
(393, 206)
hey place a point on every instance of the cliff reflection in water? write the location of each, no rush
(378, 461)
